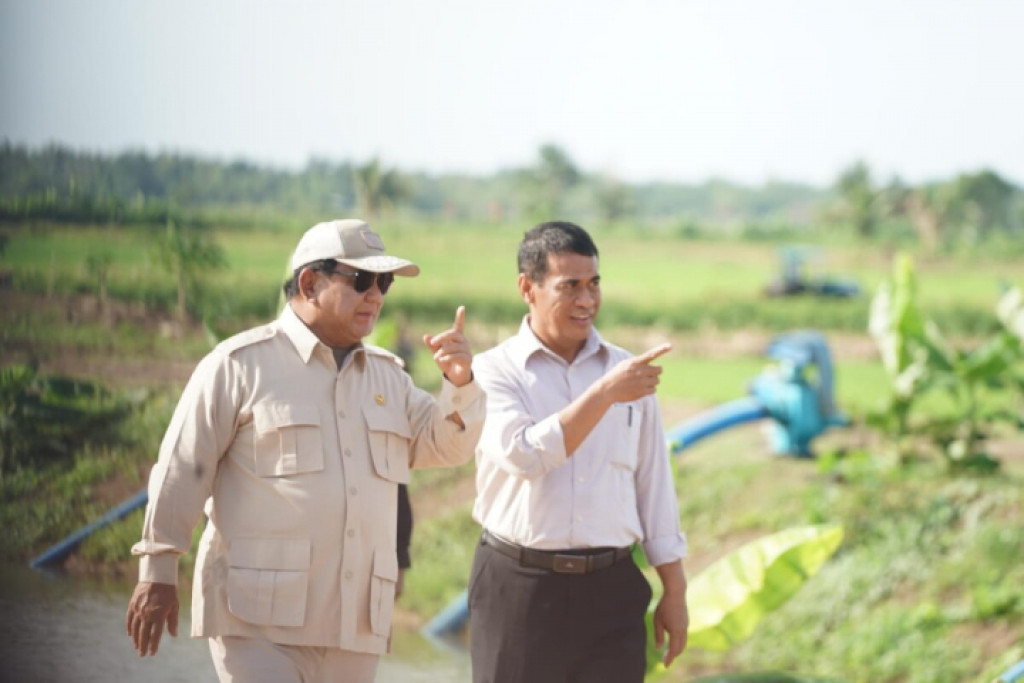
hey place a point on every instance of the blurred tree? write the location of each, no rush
(860, 199)
(99, 263)
(918, 206)
(921, 209)
(187, 252)
(983, 202)
(544, 186)
(378, 188)
(614, 199)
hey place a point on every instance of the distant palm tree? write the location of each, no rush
(545, 185)
(860, 198)
(187, 252)
(378, 188)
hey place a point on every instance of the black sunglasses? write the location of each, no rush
(363, 280)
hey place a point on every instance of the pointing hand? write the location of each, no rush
(451, 350)
(635, 377)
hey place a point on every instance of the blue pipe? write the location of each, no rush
(715, 420)
(1013, 674)
(450, 619)
(64, 548)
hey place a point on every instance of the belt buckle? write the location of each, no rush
(570, 564)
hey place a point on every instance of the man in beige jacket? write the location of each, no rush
(293, 437)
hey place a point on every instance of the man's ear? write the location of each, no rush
(526, 288)
(309, 283)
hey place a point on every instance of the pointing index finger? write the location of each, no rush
(460, 319)
(651, 354)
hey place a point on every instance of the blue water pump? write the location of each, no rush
(797, 393)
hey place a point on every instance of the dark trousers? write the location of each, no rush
(532, 625)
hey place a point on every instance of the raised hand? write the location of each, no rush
(635, 377)
(451, 350)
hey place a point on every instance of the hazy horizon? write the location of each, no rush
(789, 91)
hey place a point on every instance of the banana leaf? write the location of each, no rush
(729, 598)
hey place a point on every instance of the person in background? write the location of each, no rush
(393, 334)
(572, 470)
(405, 521)
(293, 438)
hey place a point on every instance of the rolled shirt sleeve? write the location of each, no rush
(656, 493)
(514, 441)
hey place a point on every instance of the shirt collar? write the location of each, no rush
(526, 343)
(306, 343)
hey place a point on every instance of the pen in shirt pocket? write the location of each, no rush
(629, 417)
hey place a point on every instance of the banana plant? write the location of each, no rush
(728, 599)
(919, 361)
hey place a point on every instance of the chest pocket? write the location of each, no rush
(287, 439)
(390, 436)
(621, 431)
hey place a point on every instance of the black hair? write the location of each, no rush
(553, 237)
(291, 286)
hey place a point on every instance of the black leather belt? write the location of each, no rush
(581, 561)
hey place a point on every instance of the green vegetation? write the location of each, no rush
(730, 597)
(925, 585)
(44, 419)
(982, 384)
(659, 281)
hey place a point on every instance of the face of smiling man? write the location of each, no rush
(564, 305)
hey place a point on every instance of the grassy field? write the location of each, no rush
(681, 284)
(926, 586)
(924, 589)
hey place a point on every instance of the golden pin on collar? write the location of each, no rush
(380, 399)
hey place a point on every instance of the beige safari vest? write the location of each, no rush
(296, 465)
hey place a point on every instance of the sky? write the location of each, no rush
(677, 90)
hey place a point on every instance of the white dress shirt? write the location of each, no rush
(617, 487)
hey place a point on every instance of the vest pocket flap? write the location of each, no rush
(385, 564)
(273, 415)
(387, 420)
(389, 439)
(282, 554)
(382, 590)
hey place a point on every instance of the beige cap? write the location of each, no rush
(352, 242)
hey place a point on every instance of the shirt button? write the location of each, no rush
(350, 533)
(352, 490)
(341, 414)
(348, 453)
(348, 575)
(581, 480)
(579, 518)
(457, 400)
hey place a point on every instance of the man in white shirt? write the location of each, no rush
(293, 438)
(572, 470)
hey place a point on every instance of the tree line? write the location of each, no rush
(61, 184)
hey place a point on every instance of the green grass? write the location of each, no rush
(859, 385)
(682, 284)
(924, 588)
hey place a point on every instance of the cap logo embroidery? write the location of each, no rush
(372, 239)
